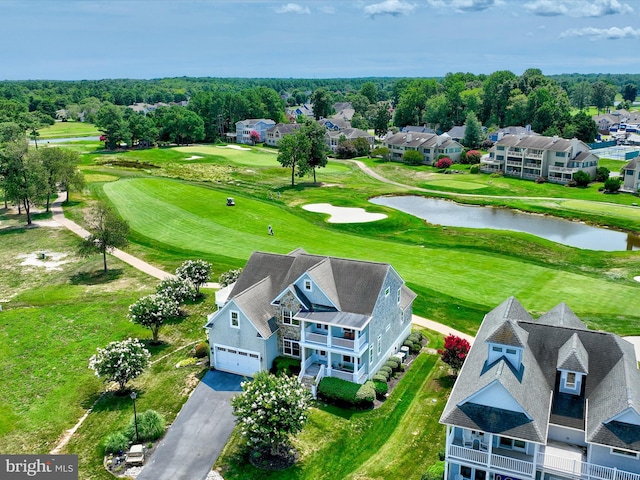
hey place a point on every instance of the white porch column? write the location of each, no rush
(303, 335)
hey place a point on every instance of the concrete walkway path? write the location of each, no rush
(58, 216)
(440, 328)
(199, 432)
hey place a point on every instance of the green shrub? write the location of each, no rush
(386, 370)
(286, 366)
(187, 362)
(382, 388)
(348, 394)
(434, 472)
(116, 442)
(474, 168)
(379, 377)
(201, 350)
(392, 365)
(150, 426)
(384, 373)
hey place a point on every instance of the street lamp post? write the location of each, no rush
(135, 415)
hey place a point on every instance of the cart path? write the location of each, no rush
(58, 216)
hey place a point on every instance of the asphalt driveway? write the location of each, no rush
(199, 432)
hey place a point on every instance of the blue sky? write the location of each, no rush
(94, 39)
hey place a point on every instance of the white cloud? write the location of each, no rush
(578, 8)
(328, 9)
(465, 5)
(293, 8)
(613, 33)
(389, 7)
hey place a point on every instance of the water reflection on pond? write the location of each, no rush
(574, 234)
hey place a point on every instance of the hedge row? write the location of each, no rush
(348, 394)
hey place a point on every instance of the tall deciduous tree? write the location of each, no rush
(142, 129)
(269, 410)
(602, 94)
(25, 179)
(107, 232)
(369, 90)
(629, 92)
(110, 121)
(120, 361)
(321, 101)
(60, 165)
(318, 149)
(473, 135)
(379, 118)
(294, 154)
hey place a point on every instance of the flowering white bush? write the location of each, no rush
(198, 271)
(152, 311)
(270, 409)
(177, 288)
(120, 361)
(228, 277)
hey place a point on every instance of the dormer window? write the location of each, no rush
(571, 380)
(511, 354)
(307, 285)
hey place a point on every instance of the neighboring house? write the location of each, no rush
(305, 110)
(275, 133)
(631, 179)
(344, 111)
(417, 129)
(334, 124)
(245, 127)
(532, 157)
(342, 318)
(514, 130)
(614, 121)
(544, 399)
(333, 137)
(431, 146)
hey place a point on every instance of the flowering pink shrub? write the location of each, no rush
(473, 157)
(444, 163)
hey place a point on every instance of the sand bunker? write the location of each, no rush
(637, 279)
(344, 214)
(235, 147)
(193, 157)
(51, 260)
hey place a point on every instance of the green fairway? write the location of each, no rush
(183, 217)
(69, 130)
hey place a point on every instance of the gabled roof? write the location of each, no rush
(509, 333)
(607, 407)
(284, 128)
(354, 285)
(562, 316)
(255, 303)
(573, 357)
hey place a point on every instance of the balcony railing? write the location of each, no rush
(562, 465)
(533, 155)
(533, 165)
(563, 169)
(514, 163)
(316, 338)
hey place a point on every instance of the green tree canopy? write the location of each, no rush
(473, 136)
(120, 361)
(294, 153)
(107, 232)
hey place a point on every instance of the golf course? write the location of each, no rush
(55, 315)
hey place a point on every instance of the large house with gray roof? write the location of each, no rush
(532, 157)
(342, 318)
(430, 145)
(544, 399)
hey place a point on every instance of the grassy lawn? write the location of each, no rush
(54, 316)
(401, 439)
(69, 130)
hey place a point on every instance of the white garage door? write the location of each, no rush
(234, 360)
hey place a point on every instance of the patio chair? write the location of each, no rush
(467, 439)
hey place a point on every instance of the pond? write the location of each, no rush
(573, 234)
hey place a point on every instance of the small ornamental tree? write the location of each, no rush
(177, 288)
(228, 277)
(108, 232)
(582, 178)
(152, 311)
(472, 157)
(269, 410)
(454, 352)
(120, 361)
(197, 271)
(444, 162)
(412, 157)
(612, 185)
(602, 174)
(254, 136)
